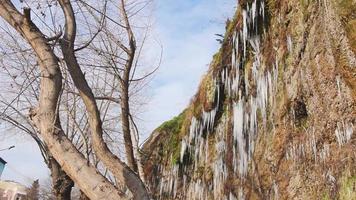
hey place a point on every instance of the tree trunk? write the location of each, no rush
(119, 169)
(124, 90)
(62, 183)
(83, 196)
(71, 161)
(125, 121)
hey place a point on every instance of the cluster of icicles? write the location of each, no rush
(308, 149)
(205, 177)
(245, 122)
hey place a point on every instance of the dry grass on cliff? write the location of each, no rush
(347, 11)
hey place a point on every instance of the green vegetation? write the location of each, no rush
(173, 127)
(274, 6)
(346, 9)
(325, 196)
(217, 58)
(231, 25)
(347, 187)
(304, 3)
(206, 93)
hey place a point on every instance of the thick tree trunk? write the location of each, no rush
(62, 183)
(71, 161)
(83, 196)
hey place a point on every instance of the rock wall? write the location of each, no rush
(275, 115)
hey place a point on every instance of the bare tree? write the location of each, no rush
(45, 116)
(33, 191)
(120, 51)
(69, 155)
(24, 89)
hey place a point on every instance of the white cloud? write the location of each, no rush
(186, 29)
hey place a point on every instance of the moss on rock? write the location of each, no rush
(347, 187)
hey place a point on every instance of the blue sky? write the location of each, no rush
(186, 29)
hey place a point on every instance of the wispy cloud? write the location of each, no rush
(186, 29)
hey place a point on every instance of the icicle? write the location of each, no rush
(262, 8)
(275, 190)
(218, 98)
(253, 125)
(262, 95)
(289, 44)
(314, 149)
(206, 153)
(253, 11)
(182, 151)
(238, 113)
(343, 132)
(219, 170)
(338, 85)
(235, 48)
(235, 83)
(232, 197)
(349, 131)
(245, 30)
(325, 152)
(241, 194)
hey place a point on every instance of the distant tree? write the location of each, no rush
(46, 190)
(33, 191)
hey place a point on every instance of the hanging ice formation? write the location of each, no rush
(231, 81)
(344, 132)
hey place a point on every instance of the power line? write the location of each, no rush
(8, 148)
(17, 172)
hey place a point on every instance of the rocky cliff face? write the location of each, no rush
(275, 115)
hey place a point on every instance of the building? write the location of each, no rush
(2, 165)
(10, 190)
